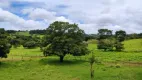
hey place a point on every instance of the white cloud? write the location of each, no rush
(4, 4)
(19, 23)
(47, 16)
(39, 13)
(89, 14)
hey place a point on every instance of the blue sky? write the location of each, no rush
(90, 15)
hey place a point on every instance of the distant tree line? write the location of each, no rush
(41, 32)
(14, 31)
(134, 36)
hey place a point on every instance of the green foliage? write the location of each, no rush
(120, 35)
(41, 32)
(92, 60)
(92, 41)
(4, 45)
(107, 41)
(11, 31)
(63, 38)
(104, 34)
(90, 36)
(30, 44)
(119, 46)
(15, 42)
(106, 44)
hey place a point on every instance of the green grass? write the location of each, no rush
(51, 69)
(133, 45)
(21, 64)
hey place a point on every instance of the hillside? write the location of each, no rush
(133, 45)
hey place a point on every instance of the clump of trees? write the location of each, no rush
(105, 39)
(15, 43)
(108, 42)
(11, 31)
(17, 40)
(4, 44)
(30, 44)
(64, 38)
(41, 32)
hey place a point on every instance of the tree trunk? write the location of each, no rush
(0, 60)
(61, 58)
(92, 72)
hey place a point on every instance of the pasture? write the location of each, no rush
(29, 64)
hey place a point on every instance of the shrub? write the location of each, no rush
(118, 65)
(30, 44)
(105, 44)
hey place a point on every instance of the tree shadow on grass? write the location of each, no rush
(55, 61)
(4, 65)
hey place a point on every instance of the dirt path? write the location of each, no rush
(130, 64)
(21, 58)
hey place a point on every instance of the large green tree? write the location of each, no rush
(64, 38)
(4, 45)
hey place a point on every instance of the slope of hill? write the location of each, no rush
(133, 45)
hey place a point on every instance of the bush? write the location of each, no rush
(105, 44)
(30, 44)
(119, 46)
(15, 43)
(118, 65)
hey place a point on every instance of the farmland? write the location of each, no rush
(29, 64)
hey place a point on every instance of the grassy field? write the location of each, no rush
(25, 33)
(29, 64)
(133, 45)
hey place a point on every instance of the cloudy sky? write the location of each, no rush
(90, 15)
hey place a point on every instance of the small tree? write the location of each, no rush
(63, 38)
(92, 60)
(120, 37)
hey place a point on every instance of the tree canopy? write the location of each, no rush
(4, 46)
(63, 38)
(120, 35)
(104, 33)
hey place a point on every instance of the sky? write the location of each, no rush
(90, 15)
